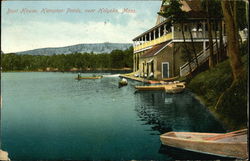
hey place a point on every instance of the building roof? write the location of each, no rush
(194, 5)
(155, 49)
(193, 9)
(196, 14)
(151, 29)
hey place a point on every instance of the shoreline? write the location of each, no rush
(72, 71)
(211, 110)
(222, 119)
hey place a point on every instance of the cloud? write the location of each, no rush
(40, 34)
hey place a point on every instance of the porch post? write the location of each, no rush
(159, 32)
(172, 30)
(204, 36)
(165, 29)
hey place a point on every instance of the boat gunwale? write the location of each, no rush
(163, 85)
(99, 77)
(163, 136)
(173, 141)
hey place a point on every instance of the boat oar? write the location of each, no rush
(230, 134)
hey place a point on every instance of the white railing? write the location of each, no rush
(201, 57)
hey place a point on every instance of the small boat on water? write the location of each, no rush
(95, 77)
(150, 88)
(171, 79)
(233, 144)
(155, 82)
(178, 88)
(111, 76)
(173, 87)
(123, 82)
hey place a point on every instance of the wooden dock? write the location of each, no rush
(131, 77)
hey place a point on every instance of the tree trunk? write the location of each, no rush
(221, 53)
(232, 38)
(195, 54)
(216, 42)
(210, 37)
(186, 48)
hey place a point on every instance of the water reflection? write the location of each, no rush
(178, 154)
(92, 119)
(178, 112)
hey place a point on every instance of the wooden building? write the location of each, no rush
(159, 52)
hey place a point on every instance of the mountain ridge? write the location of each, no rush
(95, 48)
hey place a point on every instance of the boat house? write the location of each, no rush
(164, 51)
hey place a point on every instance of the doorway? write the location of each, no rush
(165, 70)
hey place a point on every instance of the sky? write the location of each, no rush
(28, 25)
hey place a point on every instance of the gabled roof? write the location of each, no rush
(194, 5)
(155, 49)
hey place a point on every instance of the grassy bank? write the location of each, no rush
(209, 86)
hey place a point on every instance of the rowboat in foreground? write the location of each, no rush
(97, 77)
(233, 144)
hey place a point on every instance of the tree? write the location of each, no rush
(117, 59)
(213, 19)
(193, 47)
(229, 9)
(210, 36)
(177, 16)
(230, 18)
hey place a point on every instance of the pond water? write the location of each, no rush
(51, 116)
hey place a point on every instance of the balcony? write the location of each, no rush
(151, 43)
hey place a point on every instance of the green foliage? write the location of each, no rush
(117, 56)
(244, 48)
(82, 61)
(173, 11)
(234, 103)
(214, 8)
(211, 84)
(120, 59)
(241, 14)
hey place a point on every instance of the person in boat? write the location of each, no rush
(79, 75)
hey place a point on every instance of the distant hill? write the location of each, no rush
(80, 48)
